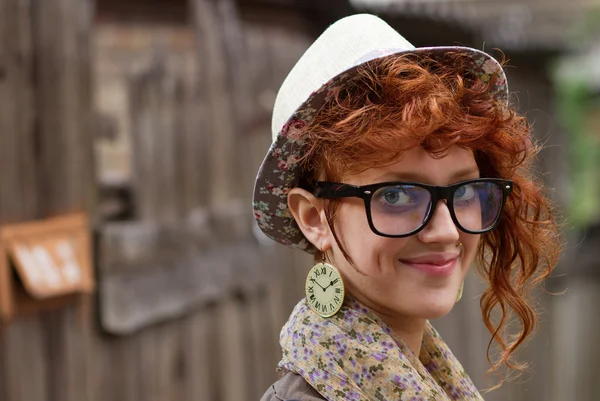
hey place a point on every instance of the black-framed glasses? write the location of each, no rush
(401, 209)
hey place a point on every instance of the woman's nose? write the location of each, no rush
(441, 227)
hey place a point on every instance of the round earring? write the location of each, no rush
(460, 291)
(324, 289)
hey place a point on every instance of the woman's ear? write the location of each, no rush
(310, 216)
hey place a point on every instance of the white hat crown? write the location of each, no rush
(348, 42)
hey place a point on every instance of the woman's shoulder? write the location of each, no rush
(291, 387)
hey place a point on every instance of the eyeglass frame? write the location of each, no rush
(337, 190)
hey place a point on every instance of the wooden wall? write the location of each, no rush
(190, 298)
(46, 156)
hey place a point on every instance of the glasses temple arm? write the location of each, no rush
(334, 190)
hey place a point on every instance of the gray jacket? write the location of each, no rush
(291, 387)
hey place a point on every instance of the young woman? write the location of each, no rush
(398, 168)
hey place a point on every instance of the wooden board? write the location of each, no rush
(134, 299)
(51, 258)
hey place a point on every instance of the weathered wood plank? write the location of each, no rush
(62, 43)
(103, 356)
(64, 344)
(254, 136)
(170, 381)
(150, 273)
(24, 355)
(236, 56)
(157, 112)
(21, 350)
(232, 379)
(263, 350)
(159, 355)
(132, 300)
(211, 21)
(62, 32)
(193, 148)
(125, 375)
(199, 336)
(165, 159)
(127, 246)
(17, 113)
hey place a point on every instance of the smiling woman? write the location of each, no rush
(400, 172)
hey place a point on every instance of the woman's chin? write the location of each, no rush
(435, 309)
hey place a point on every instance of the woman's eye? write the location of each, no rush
(465, 192)
(399, 199)
(396, 197)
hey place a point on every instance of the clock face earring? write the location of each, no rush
(324, 289)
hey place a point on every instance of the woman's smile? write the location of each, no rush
(434, 264)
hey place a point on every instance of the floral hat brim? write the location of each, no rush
(280, 171)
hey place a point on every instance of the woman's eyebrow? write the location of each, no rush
(466, 172)
(414, 176)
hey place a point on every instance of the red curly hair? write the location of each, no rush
(407, 101)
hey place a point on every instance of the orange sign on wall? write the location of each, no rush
(51, 258)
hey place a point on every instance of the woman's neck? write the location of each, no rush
(409, 329)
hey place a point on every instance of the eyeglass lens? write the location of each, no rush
(401, 209)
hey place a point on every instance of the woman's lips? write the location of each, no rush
(440, 265)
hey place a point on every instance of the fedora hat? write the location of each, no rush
(330, 62)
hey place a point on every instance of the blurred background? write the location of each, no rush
(150, 118)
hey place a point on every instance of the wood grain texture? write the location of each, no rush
(18, 192)
(62, 39)
(20, 346)
(131, 301)
(46, 170)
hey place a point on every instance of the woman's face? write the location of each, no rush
(417, 276)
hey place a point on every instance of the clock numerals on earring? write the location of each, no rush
(324, 290)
